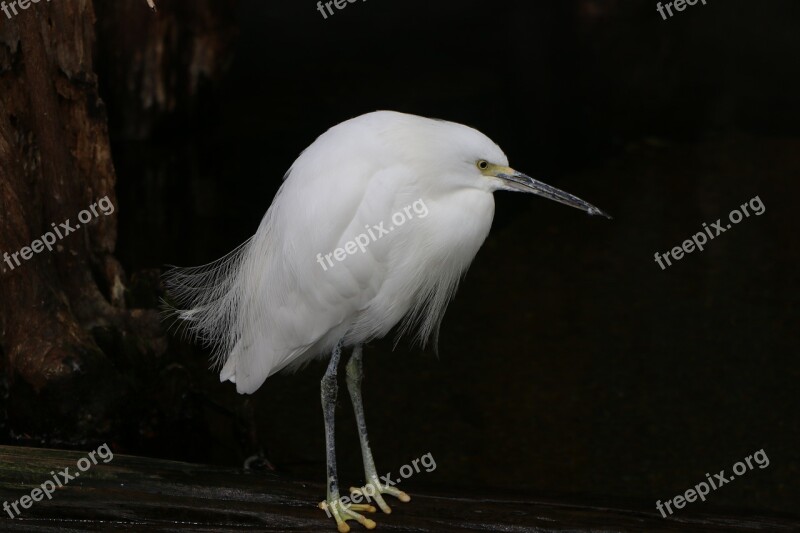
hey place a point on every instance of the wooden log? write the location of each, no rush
(139, 494)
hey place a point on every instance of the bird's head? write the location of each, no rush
(487, 166)
(454, 156)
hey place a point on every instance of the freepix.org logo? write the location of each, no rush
(60, 479)
(702, 489)
(373, 233)
(699, 239)
(11, 7)
(58, 232)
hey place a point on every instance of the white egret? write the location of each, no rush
(271, 304)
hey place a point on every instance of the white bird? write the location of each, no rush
(325, 272)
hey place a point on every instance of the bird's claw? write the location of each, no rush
(342, 512)
(375, 489)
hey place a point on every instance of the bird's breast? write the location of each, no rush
(427, 256)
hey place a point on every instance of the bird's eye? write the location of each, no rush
(483, 165)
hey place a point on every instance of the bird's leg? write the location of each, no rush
(373, 487)
(333, 505)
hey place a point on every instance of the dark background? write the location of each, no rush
(569, 364)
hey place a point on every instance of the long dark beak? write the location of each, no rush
(518, 181)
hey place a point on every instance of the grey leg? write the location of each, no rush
(330, 390)
(373, 488)
(332, 505)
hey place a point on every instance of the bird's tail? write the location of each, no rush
(204, 301)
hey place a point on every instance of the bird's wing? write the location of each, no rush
(298, 294)
(285, 295)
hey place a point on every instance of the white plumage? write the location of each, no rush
(270, 305)
(300, 287)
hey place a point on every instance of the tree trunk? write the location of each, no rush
(59, 306)
(55, 162)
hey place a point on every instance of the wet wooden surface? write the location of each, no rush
(138, 494)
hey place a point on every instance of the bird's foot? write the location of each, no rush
(342, 512)
(374, 490)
